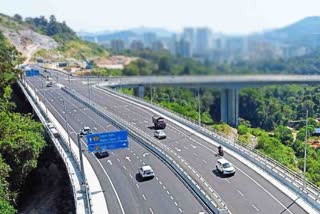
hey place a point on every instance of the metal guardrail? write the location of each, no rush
(288, 177)
(214, 206)
(60, 144)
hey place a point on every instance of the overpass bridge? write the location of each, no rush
(230, 86)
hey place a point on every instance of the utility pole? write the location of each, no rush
(305, 153)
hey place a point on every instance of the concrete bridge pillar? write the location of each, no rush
(230, 106)
(140, 91)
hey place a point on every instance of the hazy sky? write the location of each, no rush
(228, 16)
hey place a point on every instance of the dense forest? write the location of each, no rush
(21, 138)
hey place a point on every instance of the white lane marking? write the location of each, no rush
(168, 192)
(151, 211)
(109, 161)
(160, 182)
(137, 186)
(145, 154)
(179, 150)
(95, 128)
(164, 187)
(180, 210)
(115, 192)
(175, 203)
(118, 159)
(240, 193)
(193, 146)
(131, 176)
(128, 159)
(204, 161)
(171, 197)
(195, 154)
(272, 196)
(227, 181)
(255, 207)
(144, 197)
(124, 167)
(186, 148)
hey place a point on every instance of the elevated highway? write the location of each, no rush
(247, 192)
(123, 190)
(230, 86)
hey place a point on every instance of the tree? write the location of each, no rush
(18, 17)
(284, 135)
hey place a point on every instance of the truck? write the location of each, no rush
(158, 122)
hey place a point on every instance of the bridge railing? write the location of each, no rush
(61, 145)
(290, 178)
(202, 190)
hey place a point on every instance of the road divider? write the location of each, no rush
(197, 185)
(287, 177)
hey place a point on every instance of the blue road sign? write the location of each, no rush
(32, 72)
(107, 141)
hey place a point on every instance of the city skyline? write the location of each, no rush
(237, 17)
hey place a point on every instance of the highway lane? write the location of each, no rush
(246, 192)
(164, 194)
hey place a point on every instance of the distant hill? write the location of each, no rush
(304, 32)
(125, 35)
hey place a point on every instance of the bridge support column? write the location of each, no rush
(230, 106)
(140, 91)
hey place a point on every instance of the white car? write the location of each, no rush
(86, 130)
(53, 130)
(225, 167)
(49, 84)
(146, 172)
(160, 134)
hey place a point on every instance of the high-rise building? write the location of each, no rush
(117, 45)
(203, 37)
(149, 38)
(157, 46)
(189, 36)
(136, 45)
(183, 48)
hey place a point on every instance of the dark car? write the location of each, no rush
(102, 154)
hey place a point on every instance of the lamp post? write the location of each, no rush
(65, 118)
(305, 153)
(305, 149)
(199, 114)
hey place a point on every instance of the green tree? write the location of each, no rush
(284, 134)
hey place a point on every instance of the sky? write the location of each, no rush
(226, 16)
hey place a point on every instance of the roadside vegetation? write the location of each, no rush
(21, 138)
(267, 114)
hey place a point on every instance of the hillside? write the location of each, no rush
(304, 32)
(49, 39)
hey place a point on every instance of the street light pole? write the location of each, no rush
(89, 90)
(305, 153)
(199, 114)
(65, 118)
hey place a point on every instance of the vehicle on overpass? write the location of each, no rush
(158, 122)
(53, 130)
(85, 131)
(49, 84)
(146, 172)
(102, 154)
(225, 167)
(160, 134)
